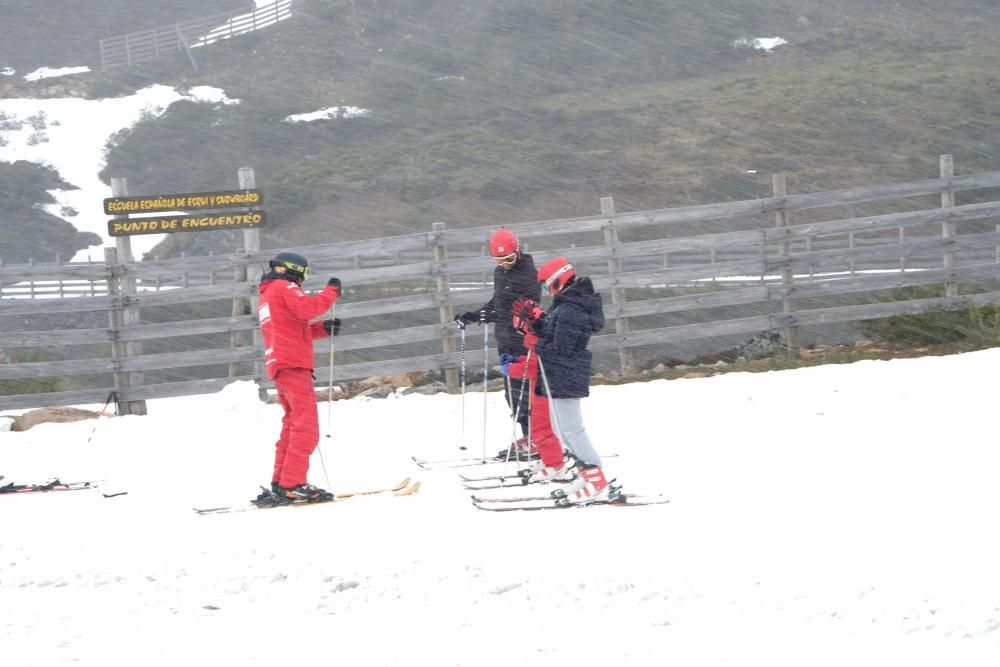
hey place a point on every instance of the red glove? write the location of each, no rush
(526, 313)
(530, 340)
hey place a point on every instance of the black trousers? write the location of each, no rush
(518, 400)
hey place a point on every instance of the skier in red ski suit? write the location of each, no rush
(286, 314)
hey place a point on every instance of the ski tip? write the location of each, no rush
(414, 488)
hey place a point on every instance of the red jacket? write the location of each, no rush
(285, 312)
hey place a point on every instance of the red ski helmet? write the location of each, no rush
(556, 274)
(505, 248)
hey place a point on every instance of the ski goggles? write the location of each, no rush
(553, 282)
(506, 261)
(301, 270)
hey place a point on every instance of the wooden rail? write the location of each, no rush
(727, 285)
(145, 45)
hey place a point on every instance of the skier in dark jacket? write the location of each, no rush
(560, 337)
(286, 313)
(514, 278)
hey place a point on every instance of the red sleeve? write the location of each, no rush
(305, 307)
(317, 330)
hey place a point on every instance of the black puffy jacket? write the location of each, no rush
(563, 335)
(518, 282)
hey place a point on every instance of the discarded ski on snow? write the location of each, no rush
(53, 485)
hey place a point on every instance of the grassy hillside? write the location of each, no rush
(493, 112)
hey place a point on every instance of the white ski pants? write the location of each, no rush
(567, 422)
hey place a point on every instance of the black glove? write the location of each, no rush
(335, 284)
(332, 326)
(468, 317)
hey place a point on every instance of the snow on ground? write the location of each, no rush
(840, 515)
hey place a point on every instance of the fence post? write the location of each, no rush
(446, 313)
(626, 360)
(187, 48)
(245, 305)
(116, 320)
(779, 187)
(115, 317)
(130, 314)
(902, 257)
(62, 282)
(851, 245)
(948, 227)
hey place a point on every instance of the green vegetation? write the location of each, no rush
(499, 112)
(28, 232)
(30, 385)
(971, 327)
(493, 112)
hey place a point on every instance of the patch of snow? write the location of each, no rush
(70, 135)
(328, 113)
(49, 72)
(759, 43)
(211, 95)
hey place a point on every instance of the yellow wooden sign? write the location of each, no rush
(197, 201)
(185, 223)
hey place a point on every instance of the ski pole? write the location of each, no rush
(509, 396)
(329, 401)
(113, 395)
(329, 388)
(486, 369)
(517, 410)
(548, 394)
(461, 381)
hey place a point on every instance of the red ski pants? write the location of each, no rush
(299, 426)
(550, 448)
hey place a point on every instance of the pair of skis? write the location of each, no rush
(465, 462)
(528, 502)
(473, 461)
(540, 501)
(51, 486)
(404, 488)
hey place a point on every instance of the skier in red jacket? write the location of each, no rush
(286, 314)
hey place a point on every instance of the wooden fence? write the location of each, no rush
(767, 273)
(145, 45)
